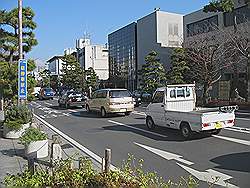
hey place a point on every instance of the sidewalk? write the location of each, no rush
(11, 157)
(13, 160)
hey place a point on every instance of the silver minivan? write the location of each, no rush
(108, 101)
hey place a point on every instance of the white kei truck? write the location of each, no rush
(173, 106)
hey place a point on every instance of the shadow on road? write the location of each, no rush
(235, 161)
(167, 133)
(94, 115)
(62, 108)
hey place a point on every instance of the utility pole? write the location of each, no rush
(22, 70)
(20, 29)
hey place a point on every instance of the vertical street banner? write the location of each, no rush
(22, 79)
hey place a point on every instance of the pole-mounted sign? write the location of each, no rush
(22, 79)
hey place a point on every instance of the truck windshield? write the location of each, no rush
(119, 94)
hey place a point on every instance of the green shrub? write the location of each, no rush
(32, 134)
(64, 175)
(15, 116)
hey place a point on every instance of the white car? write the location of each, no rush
(108, 101)
(36, 91)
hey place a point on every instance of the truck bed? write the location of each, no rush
(202, 116)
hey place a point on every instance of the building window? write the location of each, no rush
(202, 26)
(241, 14)
(176, 29)
(173, 29)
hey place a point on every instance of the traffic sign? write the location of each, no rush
(22, 79)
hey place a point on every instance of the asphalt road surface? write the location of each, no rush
(226, 156)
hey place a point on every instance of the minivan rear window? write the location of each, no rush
(48, 90)
(119, 94)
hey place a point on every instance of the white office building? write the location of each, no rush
(55, 65)
(95, 56)
(159, 31)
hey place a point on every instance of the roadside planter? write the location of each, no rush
(13, 133)
(36, 143)
(17, 120)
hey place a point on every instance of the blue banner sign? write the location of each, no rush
(22, 79)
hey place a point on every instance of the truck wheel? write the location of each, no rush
(150, 123)
(103, 112)
(186, 132)
(217, 131)
(127, 113)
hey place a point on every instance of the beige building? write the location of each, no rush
(95, 56)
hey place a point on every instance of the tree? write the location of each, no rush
(153, 73)
(91, 78)
(240, 37)
(9, 78)
(72, 73)
(45, 75)
(9, 33)
(207, 57)
(221, 6)
(179, 67)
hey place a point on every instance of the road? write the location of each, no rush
(226, 155)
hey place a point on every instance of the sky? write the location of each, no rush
(61, 22)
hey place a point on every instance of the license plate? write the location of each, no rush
(78, 99)
(218, 125)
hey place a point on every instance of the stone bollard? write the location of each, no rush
(56, 150)
(107, 160)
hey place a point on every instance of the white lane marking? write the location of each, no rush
(42, 116)
(131, 127)
(48, 103)
(165, 154)
(242, 113)
(240, 128)
(72, 110)
(139, 113)
(239, 141)
(210, 176)
(72, 141)
(237, 130)
(245, 119)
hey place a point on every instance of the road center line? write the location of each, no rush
(139, 113)
(72, 110)
(131, 127)
(245, 119)
(72, 141)
(48, 103)
(238, 130)
(239, 141)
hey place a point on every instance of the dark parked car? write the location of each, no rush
(46, 93)
(136, 98)
(72, 98)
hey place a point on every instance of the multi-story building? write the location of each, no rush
(95, 56)
(122, 57)
(159, 31)
(55, 65)
(200, 24)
